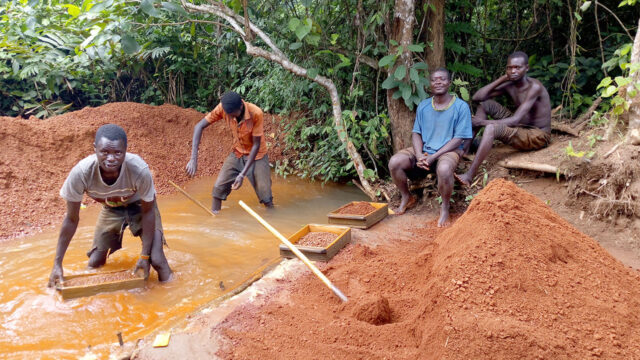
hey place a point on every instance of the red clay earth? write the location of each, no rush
(317, 239)
(37, 155)
(509, 280)
(357, 208)
(100, 278)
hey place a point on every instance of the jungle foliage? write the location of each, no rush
(58, 56)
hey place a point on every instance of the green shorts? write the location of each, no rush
(111, 224)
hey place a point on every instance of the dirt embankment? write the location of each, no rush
(509, 280)
(37, 155)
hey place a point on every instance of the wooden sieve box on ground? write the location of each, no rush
(343, 236)
(359, 221)
(81, 285)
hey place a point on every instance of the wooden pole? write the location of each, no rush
(191, 198)
(295, 250)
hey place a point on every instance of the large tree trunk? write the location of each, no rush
(239, 24)
(633, 134)
(435, 34)
(400, 115)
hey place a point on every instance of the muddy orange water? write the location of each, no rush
(203, 251)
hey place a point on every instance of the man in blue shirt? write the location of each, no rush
(442, 123)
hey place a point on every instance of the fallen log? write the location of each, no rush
(527, 165)
(560, 127)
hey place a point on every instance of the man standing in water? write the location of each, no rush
(122, 182)
(529, 128)
(249, 156)
(442, 123)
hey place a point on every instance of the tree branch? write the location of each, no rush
(277, 56)
(617, 18)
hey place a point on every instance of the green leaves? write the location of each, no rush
(312, 73)
(400, 73)
(387, 61)
(73, 10)
(148, 8)
(174, 8)
(129, 44)
(416, 47)
(300, 28)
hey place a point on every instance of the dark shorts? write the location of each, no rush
(259, 176)
(520, 137)
(111, 224)
(452, 158)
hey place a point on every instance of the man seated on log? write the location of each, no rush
(442, 123)
(529, 128)
(249, 156)
(122, 182)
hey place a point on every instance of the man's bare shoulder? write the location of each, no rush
(537, 86)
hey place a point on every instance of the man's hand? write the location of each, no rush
(425, 162)
(192, 166)
(144, 265)
(56, 276)
(236, 184)
(478, 122)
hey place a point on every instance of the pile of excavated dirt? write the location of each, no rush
(37, 155)
(509, 280)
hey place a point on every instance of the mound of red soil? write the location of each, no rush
(372, 309)
(509, 280)
(37, 155)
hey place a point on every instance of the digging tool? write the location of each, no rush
(295, 251)
(191, 198)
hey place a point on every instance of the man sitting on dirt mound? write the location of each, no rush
(529, 128)
(122, 182)
(442, 123)
(249, 157)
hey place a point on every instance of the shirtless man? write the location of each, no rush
(529, 128)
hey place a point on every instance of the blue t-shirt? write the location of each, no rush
(438, 127)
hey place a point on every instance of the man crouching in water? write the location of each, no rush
(122, 182)
(442, 123)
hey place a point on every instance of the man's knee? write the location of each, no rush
(489, 131)
(444, 170)
(98, 258)
(398, 162)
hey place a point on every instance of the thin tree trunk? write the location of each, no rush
(400, 115)
(633, 133)
(435, 35)
(276, 55)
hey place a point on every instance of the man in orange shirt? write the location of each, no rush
(249, 157)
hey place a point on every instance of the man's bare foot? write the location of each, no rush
(464, 179)
(406, 204)
(444, 216)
